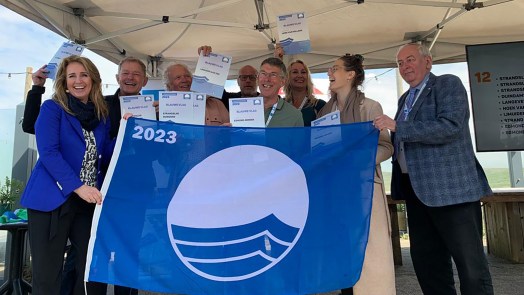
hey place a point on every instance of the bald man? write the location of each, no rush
(247, 81)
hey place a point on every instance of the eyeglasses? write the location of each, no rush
(247, 77)
(333, 69)
(269, 75)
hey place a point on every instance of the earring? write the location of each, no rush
(67, 90)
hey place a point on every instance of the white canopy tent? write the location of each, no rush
(163, 31)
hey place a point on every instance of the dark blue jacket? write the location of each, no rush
(61, 147)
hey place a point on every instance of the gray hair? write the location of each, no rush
(166, 72)
(422, 49)
(276, 62)
(132, 59)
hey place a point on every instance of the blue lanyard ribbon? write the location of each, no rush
(273, 109)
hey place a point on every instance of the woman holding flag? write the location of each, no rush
(345, 76)
(72, 134)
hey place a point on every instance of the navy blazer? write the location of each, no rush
(61, 147)
(439, 153)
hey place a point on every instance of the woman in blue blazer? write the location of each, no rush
(72, 136)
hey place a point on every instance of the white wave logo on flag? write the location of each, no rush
(233, 226)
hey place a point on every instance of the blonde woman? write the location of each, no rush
(299, 89)
(72, 136)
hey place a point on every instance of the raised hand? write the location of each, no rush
(279, 51)
(40, 76)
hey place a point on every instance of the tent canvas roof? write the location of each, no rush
(163, 31)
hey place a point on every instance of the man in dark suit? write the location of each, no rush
(435, 170)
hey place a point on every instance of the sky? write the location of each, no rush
(27, 44)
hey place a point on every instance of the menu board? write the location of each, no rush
(496, 75)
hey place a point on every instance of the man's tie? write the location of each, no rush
(408, 105)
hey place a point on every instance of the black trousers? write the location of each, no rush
(438, 234)
(48, 234)
(68, 273)
(101, 289)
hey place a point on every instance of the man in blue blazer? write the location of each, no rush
(435, 170)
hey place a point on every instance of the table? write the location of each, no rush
(14, 283)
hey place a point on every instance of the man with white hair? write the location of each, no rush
(435, 170)
(177, 77)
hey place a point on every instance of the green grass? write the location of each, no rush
(497, 178)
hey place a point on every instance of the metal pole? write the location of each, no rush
(28, 80)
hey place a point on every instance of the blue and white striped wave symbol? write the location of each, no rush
(286, 42)
(201, 84)
(253, 216)
(235, 253)
(200, 79)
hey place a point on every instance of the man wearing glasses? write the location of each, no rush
(247, 81)
(272, 77)
(278, 112)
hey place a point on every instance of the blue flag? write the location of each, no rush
(221, 210)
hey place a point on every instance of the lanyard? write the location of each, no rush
(408, 109)
(303, 103)
(273, 109)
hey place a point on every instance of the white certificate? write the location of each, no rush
(67, 49)
(141, 106)
(332, 118)
(247, 112)
(323, 135)
(211, 74)
(199, 109)
(176, 106)
(293, 33)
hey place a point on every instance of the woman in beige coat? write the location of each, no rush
(378, 274)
